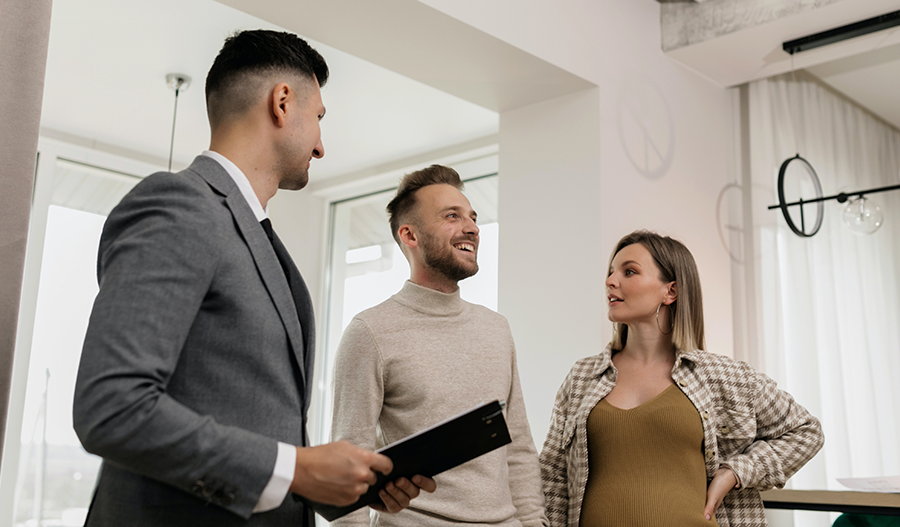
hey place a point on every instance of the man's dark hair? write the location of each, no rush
(230, 86)
(401, 209)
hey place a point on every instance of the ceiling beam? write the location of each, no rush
(745, 43)
(420, 42)
(686, 23)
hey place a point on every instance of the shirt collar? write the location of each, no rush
(604, 361)
(243, 184)
(691, 356)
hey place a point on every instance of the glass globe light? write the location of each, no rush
(862, 216)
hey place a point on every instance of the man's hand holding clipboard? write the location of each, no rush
(430, 452)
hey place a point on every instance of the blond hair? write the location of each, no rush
(676, 264)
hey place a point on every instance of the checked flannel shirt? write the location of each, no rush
(749, 425)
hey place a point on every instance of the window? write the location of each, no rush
(53, 481)
(56, 475)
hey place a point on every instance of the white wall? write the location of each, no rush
(300, 221)
(651, 146)
(577, 174)
(552, 264)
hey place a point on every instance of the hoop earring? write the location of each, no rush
(657, 322)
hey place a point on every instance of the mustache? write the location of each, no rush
(466, 238)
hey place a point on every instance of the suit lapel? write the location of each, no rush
(266, 262)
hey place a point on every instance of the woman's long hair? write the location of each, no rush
(676, 264)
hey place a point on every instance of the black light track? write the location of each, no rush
(856, 29)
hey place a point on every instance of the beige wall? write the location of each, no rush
(24, 33)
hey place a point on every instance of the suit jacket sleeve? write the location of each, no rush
(358, 397)
(158, 256)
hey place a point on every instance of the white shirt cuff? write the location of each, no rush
(277, 489)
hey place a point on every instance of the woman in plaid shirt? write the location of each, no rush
(656, 432)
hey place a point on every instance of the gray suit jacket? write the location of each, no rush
(196, 361)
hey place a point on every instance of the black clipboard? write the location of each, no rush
(434, 450)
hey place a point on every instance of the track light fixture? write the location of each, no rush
(861, 215)
(856, 29)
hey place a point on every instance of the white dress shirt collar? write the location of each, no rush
(243, 184)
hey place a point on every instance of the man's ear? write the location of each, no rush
(408, 236)
(671, 294)
(282, 96)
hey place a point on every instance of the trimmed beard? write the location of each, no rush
(441, 259)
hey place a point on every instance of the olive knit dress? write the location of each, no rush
(646, 465)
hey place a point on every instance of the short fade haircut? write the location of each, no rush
(401, 209)
(247, 57)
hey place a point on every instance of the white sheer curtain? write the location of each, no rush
(827, 308)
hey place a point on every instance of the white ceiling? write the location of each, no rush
(866, 69)
(108, 59)
(105, 83)
(872, 79)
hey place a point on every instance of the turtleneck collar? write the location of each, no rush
(430, 301)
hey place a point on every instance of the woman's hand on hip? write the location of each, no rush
(721, 484)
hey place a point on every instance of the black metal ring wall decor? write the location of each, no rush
(820, 206)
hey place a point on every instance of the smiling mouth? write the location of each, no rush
(613, 300)
(466, 247)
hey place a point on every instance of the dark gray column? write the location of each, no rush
(24, 34)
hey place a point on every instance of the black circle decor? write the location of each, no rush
(820, 206)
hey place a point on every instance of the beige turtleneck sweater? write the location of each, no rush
(415, 360)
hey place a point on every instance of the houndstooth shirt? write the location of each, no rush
(749, 425)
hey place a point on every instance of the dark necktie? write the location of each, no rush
(283, 257)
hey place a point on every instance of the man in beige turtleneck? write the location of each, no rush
(425, 355)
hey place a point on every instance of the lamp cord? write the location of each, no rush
(796, 123)
(174, 116)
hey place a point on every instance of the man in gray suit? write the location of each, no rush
(197, 365)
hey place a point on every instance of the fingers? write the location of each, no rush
(394, 498)
(366, 464)
(381, 463)
(713, 501)
(426, 484)
(369, 477)
(721, 483)
(397, 495)
(410, 491)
